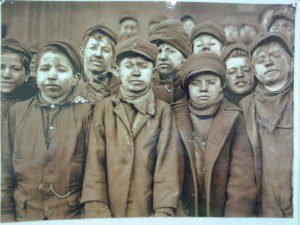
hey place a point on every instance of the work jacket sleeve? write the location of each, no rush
(94, 193)
(169, 169)
(8, 179)
(241, 188)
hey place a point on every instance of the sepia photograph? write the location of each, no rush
(150, 112)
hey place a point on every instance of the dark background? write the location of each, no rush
(37, 22)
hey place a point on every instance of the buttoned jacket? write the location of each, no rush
(38, 182)
(146, 156)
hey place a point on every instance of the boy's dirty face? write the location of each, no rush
(204, 88)
(272, 63)
(55, 75)
(207, 43)
(12, 72)
(135, 73)
(97, 55)
(169, 59)
(239, 75)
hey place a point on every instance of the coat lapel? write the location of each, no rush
(120, 112)
(249, 113)
(139, 122)
(184, 126)
(219, 131)
(248, 106)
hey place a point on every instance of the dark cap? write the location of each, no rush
(136, 45)
(208, 27)
(101, 28)
(12, 44)
(65, 48)
(187, 17)
(204, 62)
(272, 36)
(171, 32)
(128, 16)
(286, 13)
(229, 49)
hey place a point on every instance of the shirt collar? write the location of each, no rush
(40, 102)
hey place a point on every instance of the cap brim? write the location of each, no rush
(279, 37)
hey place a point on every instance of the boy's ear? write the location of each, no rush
(81, 51)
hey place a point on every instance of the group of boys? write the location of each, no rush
(139, 128)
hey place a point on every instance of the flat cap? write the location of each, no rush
(272, 36)
(208, 27)
(229, 49)
(12, 44)
(65, 48)
(171, 32)
(101, 28)
(204, 62)
(128, 15)
(281, 13)
(136, 45)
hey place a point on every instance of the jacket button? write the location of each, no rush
(48, 160)
(52, 106)
(47, 172)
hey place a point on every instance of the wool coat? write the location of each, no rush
(229, 165)
(142, 163)
(38, 182)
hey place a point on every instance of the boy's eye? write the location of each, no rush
(44, 68)
(129, 66)
(231, 71)
(61, 69)
(17, 68)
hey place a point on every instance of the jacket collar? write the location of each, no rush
(139, 122)
(40, 102)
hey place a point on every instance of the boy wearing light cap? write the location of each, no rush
(134, 166)
(44, 147)
(207, 37)
(240, 80)
(283, 20)
(98, 51)
(269, 119)
(173, 49)
(212, 133)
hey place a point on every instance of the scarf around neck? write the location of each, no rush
(270, 105)
(206, 109)
(143, 102)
